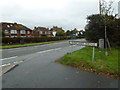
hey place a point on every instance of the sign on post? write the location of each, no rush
(85, 44)
(82, 43)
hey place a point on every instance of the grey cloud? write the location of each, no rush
(72, 15)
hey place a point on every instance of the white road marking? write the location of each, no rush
(72, 45)
(17, 50)
(49, 50)
(13, 49)
(11, 63)
(8, 58)
(5, 64)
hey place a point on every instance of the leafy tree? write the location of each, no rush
(95, 29)
(116, 35)
(68, 32)
(81, 35)
(60, 33)
(105, 21)
(74, 31)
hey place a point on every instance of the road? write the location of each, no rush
(36, 68)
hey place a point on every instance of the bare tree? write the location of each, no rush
(106, 8)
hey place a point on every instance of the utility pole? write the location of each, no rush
(106, 53)
(100, 6)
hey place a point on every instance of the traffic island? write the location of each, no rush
(102, 65)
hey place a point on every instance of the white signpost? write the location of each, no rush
(85, 44)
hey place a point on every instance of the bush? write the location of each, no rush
(21, 40)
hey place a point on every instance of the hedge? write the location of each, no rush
(7, 40)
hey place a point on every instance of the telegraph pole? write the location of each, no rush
(106, 53)
(100, 6)
(100, 10)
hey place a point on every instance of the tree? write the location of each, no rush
(96, 27)
(68, 32)
(60, 33)
(106, 8)
(116, 35)
(74, 31)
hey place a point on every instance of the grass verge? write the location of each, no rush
(103, 65)
(26, 45)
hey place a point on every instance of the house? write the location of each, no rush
(15, 30)
(55, 29)
(41, 31)
(81, 32)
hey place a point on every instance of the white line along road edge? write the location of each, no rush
(5, 64)
(8, 58)
(49, 50)
(21, 61)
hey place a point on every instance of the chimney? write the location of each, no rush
(35, 28)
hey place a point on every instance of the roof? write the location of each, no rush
(42, 29)
(55, 28)
(81, 31)
(15, 26)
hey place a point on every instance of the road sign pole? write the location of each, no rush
(93, 54)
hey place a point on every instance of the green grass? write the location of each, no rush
(26, 45)
(104, 65)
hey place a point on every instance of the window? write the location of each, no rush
(40, 32)
(48, 32)
(7, 36)
(13, 36)
(28, 35)
(11, 25)
(23, 36)
(22, 31)
(6, 31)
(45, 32)
(28, 32)
(8, 26)
(13, 31)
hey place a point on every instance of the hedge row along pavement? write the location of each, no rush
(21, 40)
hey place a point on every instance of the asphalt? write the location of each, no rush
(39, 70)
(32, 49)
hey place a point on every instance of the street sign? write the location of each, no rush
(82, 43)
(85, 44)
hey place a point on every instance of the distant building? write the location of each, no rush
(119, 9)
(75, 32)
(41, 31)
(81, 32)
(15, 30)
(55, 29)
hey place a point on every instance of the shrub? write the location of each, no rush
(15, 40)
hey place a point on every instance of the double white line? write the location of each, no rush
(7, 59)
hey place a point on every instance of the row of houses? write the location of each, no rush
(19, 30)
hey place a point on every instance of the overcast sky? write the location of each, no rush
(67, 14)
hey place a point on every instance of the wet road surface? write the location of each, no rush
(39, 70)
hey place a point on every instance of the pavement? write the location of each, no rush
(35, 67)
